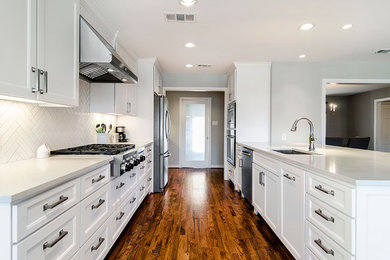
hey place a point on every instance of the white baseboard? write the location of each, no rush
(178, 166)
(216, 166)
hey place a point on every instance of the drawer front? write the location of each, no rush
(94, 180)
(133, 177)
(32, 214)
(141, 191)
(59, 239)
(332, 222)
(310, 255)
(149, 163)
(95, 209)
(322, 246)
(148, 151)
(98, 245)
(120, 187)
(132, 200)
(142, 169)
(119, 219)
(149, 181)
(339, 196)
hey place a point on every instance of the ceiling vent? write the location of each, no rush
(204, 65)
(383, 51)
(183, 18)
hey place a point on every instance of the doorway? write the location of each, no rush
(382, 125)
(195, 132)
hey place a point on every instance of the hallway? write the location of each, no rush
(198, 217)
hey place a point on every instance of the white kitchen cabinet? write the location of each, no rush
(157, 80)
(40, 57)
(232, 85)
(258, 189)
(112, 98)
(292, 210)
(239, 168)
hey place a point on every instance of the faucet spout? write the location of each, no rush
(311, 137)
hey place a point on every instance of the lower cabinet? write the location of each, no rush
(292, 210)
(258, 188)
(98, 245)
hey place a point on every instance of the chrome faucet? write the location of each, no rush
(311, 138)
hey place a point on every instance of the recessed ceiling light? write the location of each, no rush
(189, 45)
(187, 3)
(347, 26)
(302, 56)
(306, 26)
(189, 65)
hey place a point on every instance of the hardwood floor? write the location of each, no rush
(199, 216)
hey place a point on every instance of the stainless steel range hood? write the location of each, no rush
(99, 62)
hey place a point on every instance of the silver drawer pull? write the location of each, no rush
(101, 177)
(326, 250)
(120, 216)
(55, 204)
(131, 176)
(61, 235)
(132, 201)
(101, 240)
(319, 187)
(120, 185)
(149, 150)
(142, 188)
(98, 205)
(319, 213)
(289, 177)
(143, 167)
(149, 179)
(149, 161)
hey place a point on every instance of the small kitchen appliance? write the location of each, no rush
(121, 130)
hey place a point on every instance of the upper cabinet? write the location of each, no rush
(232, 85)
(113, 98)
(40, 56)
(157, 81)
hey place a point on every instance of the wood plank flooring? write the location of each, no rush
(199, 216)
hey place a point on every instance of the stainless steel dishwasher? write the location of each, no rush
(247, 159)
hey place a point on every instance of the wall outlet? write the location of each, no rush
(284, 137)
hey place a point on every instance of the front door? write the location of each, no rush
(195, 132)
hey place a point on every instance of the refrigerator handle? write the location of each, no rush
(168, 124)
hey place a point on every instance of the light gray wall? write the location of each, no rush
(337, 122)
(195, 80)
(217, 132)
(297, 91)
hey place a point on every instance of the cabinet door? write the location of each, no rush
(156, 80)
(272, 200)
(132, 100)
(58, 51)
(17, 48)
(292, 211)
(258, 189)
(121, 99)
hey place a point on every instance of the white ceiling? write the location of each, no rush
(250, 30)
(352, 89)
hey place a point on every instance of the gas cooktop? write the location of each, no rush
(106, 149)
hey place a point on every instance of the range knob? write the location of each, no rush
(129, 166)
(136, 162)
(142, 158)
(123, 167)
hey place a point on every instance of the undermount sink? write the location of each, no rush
(290, 151)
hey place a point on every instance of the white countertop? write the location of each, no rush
(354, 166)
(23, 179)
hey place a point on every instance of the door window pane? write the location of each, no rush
(195, 132)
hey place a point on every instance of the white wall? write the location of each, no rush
(297, 92)
(199, 81)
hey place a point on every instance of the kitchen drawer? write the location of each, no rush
(133, 176)
(95, 209)
(98, 245)
(148, 150)
(266, 163)
(149, 163)
(322, 246)
(33, 213)
(120, 188)
(142, 169)
(141, 191)
(309, 255)
(59, 239)
(332, 222)
(149, 181)
(121, 216)
(337, 195)
(94, 180)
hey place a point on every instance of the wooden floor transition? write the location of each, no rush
(199, 216)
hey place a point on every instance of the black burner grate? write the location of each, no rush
(107, 149)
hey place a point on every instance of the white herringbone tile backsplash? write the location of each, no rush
(24, 126)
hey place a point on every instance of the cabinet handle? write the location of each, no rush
(149, 179)
(61, 235)
(34, 90)
(46, 81)
(131, 176)
(289, 177)
(101, 177)
(55, 204)
(40, 73)
(149, 150)
(143, 167)
(319, 213)
(246, 153)
(129, 105)
(98, 205)
(319, 187)
(132, 201)
(240, 163)
(326, 250)
(142, 188)
(101, 240)
(149, 161)
(120, 185)
(120, 216)
(261, 182)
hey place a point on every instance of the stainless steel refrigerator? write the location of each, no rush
(162, 129)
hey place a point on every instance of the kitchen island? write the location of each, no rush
(328, 204)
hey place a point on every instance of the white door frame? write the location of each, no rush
(376, 115)
(330, 80)
(207, 100)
